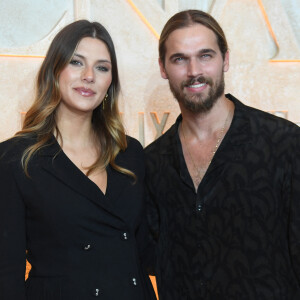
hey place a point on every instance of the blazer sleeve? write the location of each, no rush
(294, 194)
(151, 180)
(12, 235)
(142, 234)
(146, 245)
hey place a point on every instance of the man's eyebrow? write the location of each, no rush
(201, 51)
(207, 50)
(179, 54)
(100, 60)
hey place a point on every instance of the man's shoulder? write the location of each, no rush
(163, 142)
(263, 120)
(273, 122)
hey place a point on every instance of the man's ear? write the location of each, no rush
(162, 69)
(226, 62)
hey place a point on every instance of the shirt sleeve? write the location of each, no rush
(294, 191)
(12, 236)
(152, 214)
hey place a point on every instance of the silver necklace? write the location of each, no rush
(200, 171)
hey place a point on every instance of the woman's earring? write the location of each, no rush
(104, 100)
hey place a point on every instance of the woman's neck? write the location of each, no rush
(75, 130)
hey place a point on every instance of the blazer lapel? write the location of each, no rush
(56, 163)
(117, 182)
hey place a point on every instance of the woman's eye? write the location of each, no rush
(103, 69)
(75, 62)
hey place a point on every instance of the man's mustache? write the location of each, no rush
(199, 79)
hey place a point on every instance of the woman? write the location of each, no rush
(72, 182)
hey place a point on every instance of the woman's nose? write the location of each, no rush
(88, 75)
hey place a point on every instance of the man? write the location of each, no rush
(223, 181)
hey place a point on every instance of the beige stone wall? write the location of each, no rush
(260, 33)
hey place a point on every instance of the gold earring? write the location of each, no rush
(105, 99)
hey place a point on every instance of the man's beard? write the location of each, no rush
(199, 103)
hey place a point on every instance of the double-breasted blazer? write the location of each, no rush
(81, 243)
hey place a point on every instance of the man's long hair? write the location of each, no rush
(188, 18)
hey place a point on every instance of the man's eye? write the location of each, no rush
(178, 59)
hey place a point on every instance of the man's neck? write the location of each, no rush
(201, 136)
(204, 124)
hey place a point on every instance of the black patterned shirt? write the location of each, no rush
(238, 236)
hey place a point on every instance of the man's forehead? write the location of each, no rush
(191, 38)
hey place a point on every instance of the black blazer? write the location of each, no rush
(81, 243)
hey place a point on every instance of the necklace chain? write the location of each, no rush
(199, 170)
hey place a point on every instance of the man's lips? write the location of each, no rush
(196, 85)
(85, 92)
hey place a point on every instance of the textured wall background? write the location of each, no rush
(27, 27)
(263, 35)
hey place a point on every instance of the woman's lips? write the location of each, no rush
(85, 92)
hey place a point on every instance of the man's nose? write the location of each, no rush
(194, 68)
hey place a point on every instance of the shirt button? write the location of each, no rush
(97, 292)
(199, 207)
(202, 283)
(87, 247)
(125, 236)
(134, 281)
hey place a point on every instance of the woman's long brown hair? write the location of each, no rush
(40, 119)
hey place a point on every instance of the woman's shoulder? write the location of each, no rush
(134, 148)
(133, 151)
(14, 147)
(133, 144)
